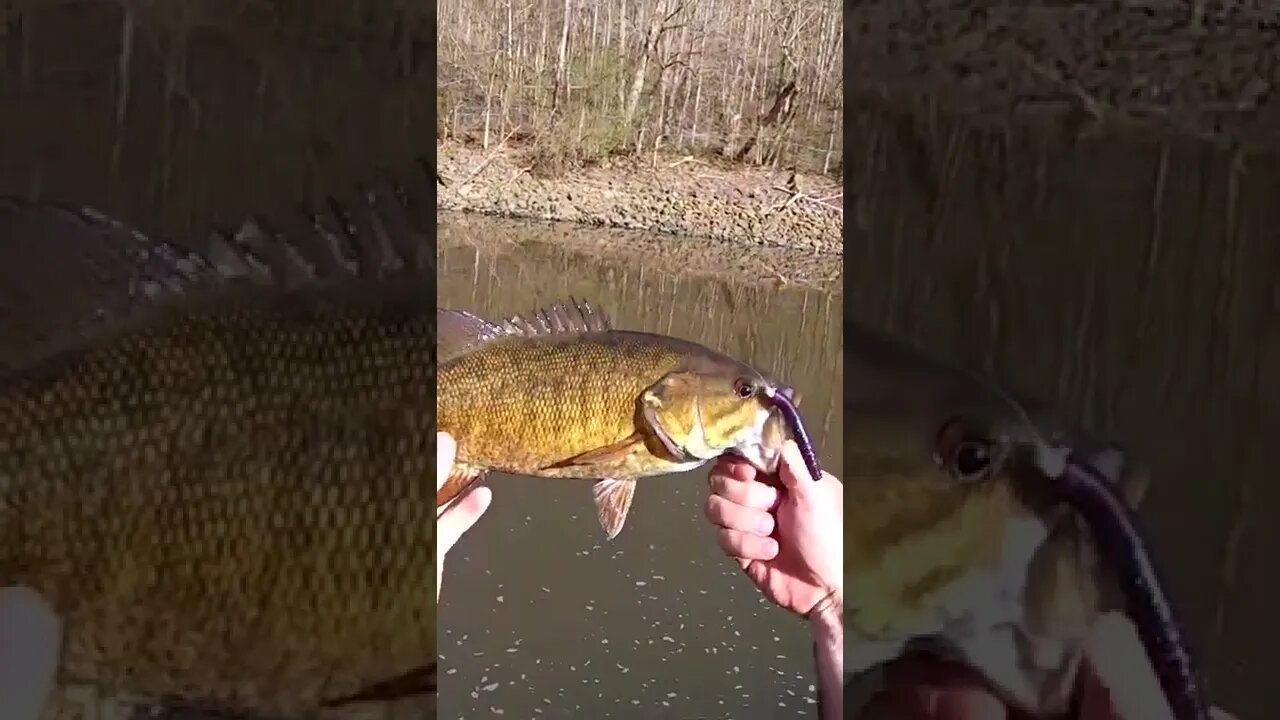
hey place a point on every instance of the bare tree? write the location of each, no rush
(755, 81)
(562, 66)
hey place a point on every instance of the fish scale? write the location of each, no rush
(222, 586)
(583, 394)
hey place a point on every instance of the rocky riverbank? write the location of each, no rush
(676, 195)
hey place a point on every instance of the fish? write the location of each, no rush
(561, 393)
(985, 528)
(212, 462)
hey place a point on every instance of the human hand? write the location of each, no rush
(1116, 683)
(460, 514)
(31, 635)
(787, 536)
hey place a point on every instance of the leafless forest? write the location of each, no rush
(573, 81)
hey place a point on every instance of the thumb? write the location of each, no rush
(446, 451)
(459, 518)
(1118, 663)
(793, 473)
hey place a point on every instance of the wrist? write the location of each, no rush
(826, 619)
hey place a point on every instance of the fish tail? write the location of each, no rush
(461, 480)
(418, 681)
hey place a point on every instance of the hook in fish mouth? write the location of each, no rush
(782, 399)
(1092, 495)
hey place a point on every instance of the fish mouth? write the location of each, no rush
(1090, 481)
(1095, 496)
(763, 447)
(785, 399)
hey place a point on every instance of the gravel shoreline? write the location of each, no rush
(676, 195)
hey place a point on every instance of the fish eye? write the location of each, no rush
(963, 453)
(744, 388)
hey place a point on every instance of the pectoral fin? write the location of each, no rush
(418, 681)
(613, 502)
(604, 455)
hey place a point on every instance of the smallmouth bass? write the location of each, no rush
(986, 529)
(562, 394)
(224, 499)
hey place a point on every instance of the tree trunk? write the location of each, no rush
(642, 69)
(560, 91)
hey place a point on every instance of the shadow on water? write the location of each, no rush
(1135, 283)
(540, 615)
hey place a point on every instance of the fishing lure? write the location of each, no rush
(792, 416)
(1159, 626)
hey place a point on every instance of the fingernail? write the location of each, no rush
(764, 525)
(771, 547)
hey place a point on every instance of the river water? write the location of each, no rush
(540, 615)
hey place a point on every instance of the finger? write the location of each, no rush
(965, 704)
(733, 516)
(919, 687)
(1118, 661)
(747, 493)
(734, 466)
(792, 470)
(941, 690)
(746, 546)
(894, 705)
(1094, 700)
(446, 451)
(922, 702)
(460, 518)
(30, 635)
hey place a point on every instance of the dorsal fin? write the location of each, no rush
(65, 267)
(575, 317)
(459, 332)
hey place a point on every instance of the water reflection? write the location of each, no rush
(540, 615)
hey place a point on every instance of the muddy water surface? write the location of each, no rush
(542, 616)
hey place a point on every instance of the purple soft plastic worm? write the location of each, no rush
(1120, 538)
(789, 412)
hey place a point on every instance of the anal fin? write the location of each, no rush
(613, 501)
